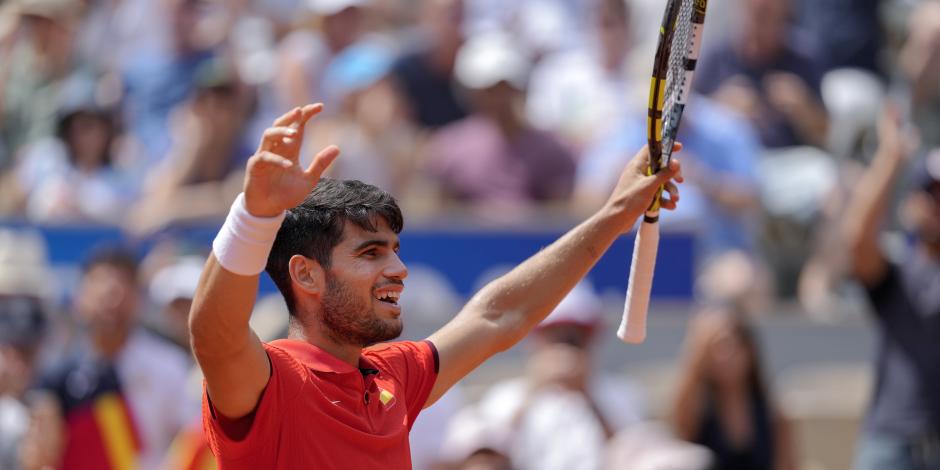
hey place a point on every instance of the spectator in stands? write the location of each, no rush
(379, 144)
(579, 92)
(23, 322)
(119, 389)
(41, 48)
(723, 402)
(160, 76)
(75, 175)
(495, 157)
(172, 289)
(425, 72)
(848, 33)
(304, 54)
(720, 154)
(902, 429)
(204, 166)
(471, 441)
(920, 63)
(766, 73)
(561, 414)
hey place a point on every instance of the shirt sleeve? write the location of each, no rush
(240, 438)
(415, 366)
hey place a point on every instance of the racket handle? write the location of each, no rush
(633, 326)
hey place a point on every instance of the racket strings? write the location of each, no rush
(680, 49)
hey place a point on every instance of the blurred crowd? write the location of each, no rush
(142, 113)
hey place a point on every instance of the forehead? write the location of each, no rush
(107, 270)
(353, 235)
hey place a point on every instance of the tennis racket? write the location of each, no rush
(680, 40)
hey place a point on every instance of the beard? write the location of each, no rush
(348, 319)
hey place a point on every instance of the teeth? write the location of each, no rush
(389, 297)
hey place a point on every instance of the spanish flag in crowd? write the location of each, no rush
(100, 429)
(190, 450)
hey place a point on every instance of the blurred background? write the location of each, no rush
(125, 126)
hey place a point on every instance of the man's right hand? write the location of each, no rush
(275, 181)
(635, 190)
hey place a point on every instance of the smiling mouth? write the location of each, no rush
(390, 298)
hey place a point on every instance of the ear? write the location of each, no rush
(307, 275)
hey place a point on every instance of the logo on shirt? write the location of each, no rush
(386, 398)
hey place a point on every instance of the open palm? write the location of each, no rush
(275, 180)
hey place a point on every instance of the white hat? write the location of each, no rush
(580, 307)
(471, 430)
(332, 7)
(24, 268)
(177, 281)
(489, 58)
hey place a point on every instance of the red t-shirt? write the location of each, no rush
(320, 412)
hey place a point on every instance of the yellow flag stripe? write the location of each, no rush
(207, 461)
(116, 431)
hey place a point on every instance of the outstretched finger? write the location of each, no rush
(321, 162)
(672, 190)
(676, 166)
(274, 136)
(287, 118)
(670, 197)
(306, 113)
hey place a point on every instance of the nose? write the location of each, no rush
(396, 269)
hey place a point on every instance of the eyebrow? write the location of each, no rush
(373, 242)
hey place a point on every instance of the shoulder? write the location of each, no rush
(284, 364)
(146, 348)
(446, 142)
(720, 124)
(41, 159)
(504, 398)
(467, 126)
(401, 357)
(721, 51)
(397, 350)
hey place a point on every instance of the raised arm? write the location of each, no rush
(504, 311)
(866, 209)
(230, 354)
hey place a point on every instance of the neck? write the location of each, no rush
(731, 390)
(348, 353)
(109, 345)
(442, 60)
(508, 123)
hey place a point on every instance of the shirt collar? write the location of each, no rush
(320, 360)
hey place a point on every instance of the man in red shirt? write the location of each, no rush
(333, 395)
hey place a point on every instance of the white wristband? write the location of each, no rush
(244, 242)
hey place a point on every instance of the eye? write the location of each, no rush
(370, 253)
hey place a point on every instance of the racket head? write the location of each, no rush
(680, 39)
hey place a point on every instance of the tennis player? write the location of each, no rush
(335, 394)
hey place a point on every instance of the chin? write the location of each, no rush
(395, 327)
